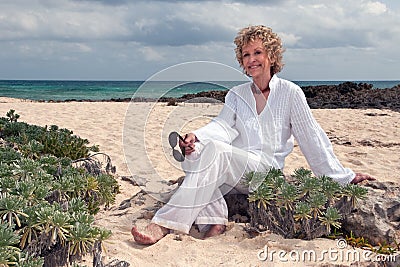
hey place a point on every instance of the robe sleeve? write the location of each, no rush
(314, 143)
(222, 127)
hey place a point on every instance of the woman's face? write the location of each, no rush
(255, 59)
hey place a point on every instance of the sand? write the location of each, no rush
(365, 140)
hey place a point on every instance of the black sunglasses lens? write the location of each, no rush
(178, 156)
(173, 139)
(173, 142)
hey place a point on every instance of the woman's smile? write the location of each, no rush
(255, 59)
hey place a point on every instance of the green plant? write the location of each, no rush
(331, 189)
(354, 192)
(287, 196)
(27, 260)
(12, 116)
(82, 238)
(47, 201)
(263, 195)
(9, 254)
(108, 188)
(9, 155)
(299, 206)
(31, 191)
(76, 205)
(302, 211)
(309, 185)
(301, 174)
(317, 202)
(31, 228)
(331, 218)
(102, 235)
(11, 208)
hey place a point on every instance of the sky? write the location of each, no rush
(133, 40)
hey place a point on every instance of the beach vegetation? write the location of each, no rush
(33, 140)
(12, 116)
(300, 205)
(362, 242)
(52, 183)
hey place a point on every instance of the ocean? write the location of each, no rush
(47, 90)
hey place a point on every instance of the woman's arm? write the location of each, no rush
(314, 143)
(221, 127)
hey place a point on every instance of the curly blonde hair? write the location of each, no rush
(270, 40)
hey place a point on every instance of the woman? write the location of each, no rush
(253, 132)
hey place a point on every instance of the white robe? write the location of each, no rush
(270, 134)
(238, 141)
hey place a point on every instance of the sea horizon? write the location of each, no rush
(61, 90)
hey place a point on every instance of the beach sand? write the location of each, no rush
(365, 140)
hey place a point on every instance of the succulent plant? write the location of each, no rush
(263, 195)
(355, 193)
(331, 218)
(317, 202)
(28, 260)
(305, 206)
(82, 237)
(9, 254)
(11, 209)
(302, 211)
(287, 196)
(12, 116)
(301, 174)
(47, 199)
(330, 188)
(309, 185)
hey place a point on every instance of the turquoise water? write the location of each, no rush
(107, 90)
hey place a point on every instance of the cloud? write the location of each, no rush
(140, 37)
(151, 54)
(375, 8)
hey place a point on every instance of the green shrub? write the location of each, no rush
(301, 206)
(35, 141)
(47, 201)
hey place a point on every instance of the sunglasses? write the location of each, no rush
(173, 142)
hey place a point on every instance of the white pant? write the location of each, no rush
(214, 169)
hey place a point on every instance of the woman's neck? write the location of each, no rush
(262, 83)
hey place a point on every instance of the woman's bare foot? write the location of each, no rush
(151, 234)
(215, 229)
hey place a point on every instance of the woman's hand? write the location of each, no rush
(361, 177)
(189, 143)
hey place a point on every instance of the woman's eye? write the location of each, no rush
(258, 52)
(246, 55)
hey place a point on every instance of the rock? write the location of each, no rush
(377, 218)
(238, 206)
(352, 95)
(344, 95)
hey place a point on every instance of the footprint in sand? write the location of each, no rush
(356, 162)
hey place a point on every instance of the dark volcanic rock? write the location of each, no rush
(352, 95)
(344, 95)
(211, 96)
